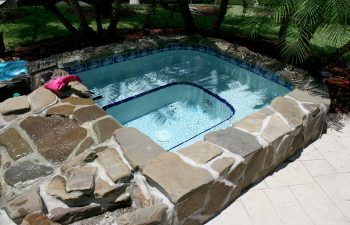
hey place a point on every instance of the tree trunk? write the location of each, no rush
(114, 19)
(51, 7)
(84, 26)
(221, 16)
(187, 16)
(2, 44)
(339, 53)
(98, 19)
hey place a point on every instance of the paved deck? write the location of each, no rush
(314, 188)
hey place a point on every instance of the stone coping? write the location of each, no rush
(81, 162)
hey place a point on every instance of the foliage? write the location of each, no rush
(302, 19)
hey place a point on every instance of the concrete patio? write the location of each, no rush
(312, 188)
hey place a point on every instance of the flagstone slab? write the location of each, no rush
(201, 151)
(78, 101)
(88, 113)
(55, 137)
(114, 165)
(289, 109)
(62, 109)
(16, 105)
(26, 203)
(80, 179)
(138, 148)
(24, 171)
(253, 122)
(57, 188)
(41, 98)
(234, 140)
(16, 146)
(185, 185)
(104, 128)
(145, 216)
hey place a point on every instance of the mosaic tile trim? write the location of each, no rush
(173, 84)
(255, 69)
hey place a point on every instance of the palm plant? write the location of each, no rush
(301, 19)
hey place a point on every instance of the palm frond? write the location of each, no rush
(336, 11)
(295, 45)
(307, 13)
(337, 34)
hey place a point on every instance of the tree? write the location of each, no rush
(2, 44)
(222, 12)
(51, 6)
(85, 32)
(187, 16)
(301, 19)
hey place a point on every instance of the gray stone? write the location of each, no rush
(201, 152)
(100, 149)
(84, 145)
(83, 158)
(255, 163)
(289, 109)
(24, 171)
(57, 188)
(125, 197)
(235, 175)
(26, 203)
(137, 147)
(185, 185)
(88, 113)
(314, 127)
(78, 88)
(55, 137)
(219, 195)
(78, 101)
(276, 128)
(16, 146)
(114, 165)
(16, 105)
(151, 215)
(104, 188)
(140, 199)
(104, 128)
(223, 165)
(253, 122)
(307, 96)
(314, 109)
(190, 221)
(41, 98)
(80, 179)
(70, 215)
(62, 109)
(234, 140)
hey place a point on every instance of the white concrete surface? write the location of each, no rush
(314, 189)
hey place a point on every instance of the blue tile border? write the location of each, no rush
(173, 84)
(255, 69)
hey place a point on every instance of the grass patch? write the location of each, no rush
(39, 24)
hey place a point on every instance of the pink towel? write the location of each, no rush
(57, 83)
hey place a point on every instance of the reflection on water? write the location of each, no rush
(241, 88)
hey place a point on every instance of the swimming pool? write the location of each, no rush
(246, 87)
(172, 114)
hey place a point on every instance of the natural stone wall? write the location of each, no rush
(64, 159)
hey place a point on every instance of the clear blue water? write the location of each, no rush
(173, 114)
(244, 90)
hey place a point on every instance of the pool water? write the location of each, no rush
(246, 91)
(172, 114)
